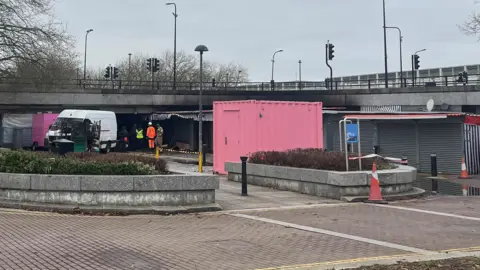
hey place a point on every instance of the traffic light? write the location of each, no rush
(156, 65)
(330, 51)
(149, 64)
(416, 59)
(107, 72)
(465, 77)
(115, 72)
(213, 82)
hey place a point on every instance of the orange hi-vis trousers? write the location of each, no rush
(151, 143)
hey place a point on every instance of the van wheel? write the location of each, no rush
(34, 146)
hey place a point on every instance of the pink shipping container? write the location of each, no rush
(40, 125)
(244, 127)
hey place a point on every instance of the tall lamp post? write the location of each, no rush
(401, 58)
(385, 45)
(200, 49)
(174, 47)
(300, 74)
(273, 68)
(85, 57)
(129, 68)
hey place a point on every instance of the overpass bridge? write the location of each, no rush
(148, 98)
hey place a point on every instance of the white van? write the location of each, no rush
(106, 122)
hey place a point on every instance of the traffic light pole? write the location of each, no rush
(328, 65)
(413, 71)
(153, 73)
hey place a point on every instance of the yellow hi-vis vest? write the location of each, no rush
(139, 133)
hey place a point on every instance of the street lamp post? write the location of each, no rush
(414, 75)
(401, 58)
(129, 69)
(200, 49)
(174, 46)
(300, 74)
(85, 57)
(273, 68)
(385, 45)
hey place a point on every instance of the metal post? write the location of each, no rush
(244, 176)
(433, 162)
(85, 57)
(434, 173)
(129, 68)
(359, 147)
(175, 50)
(328, 65)
(204, 155)
(385, 45)
(345, 144)
(200, 117)
(153, 73)
(299, 74)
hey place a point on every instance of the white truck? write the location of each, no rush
(97, 128)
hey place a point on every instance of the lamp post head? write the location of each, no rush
(169, 4)
(89, 30)
(299, 61)
(279, 50)
(201, 49)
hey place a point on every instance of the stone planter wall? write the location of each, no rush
(104, 193)
(328, 184)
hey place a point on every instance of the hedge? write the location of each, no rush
(313, 158)
(79, 164)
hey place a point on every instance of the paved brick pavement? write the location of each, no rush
(413, 229)
(466, 206)
(51, 241)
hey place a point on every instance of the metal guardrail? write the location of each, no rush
(240, 86)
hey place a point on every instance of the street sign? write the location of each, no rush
(352, 133)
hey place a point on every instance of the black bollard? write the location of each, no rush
(404, 160)
(244, 176)
(434, 173)
(433, 162)
(204, 155)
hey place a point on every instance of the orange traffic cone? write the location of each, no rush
(375, 192)
(464, 173)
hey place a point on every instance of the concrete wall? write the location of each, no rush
(329, 184)
(100, 193)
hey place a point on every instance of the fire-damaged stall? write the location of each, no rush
(449, 135)
(181, 129)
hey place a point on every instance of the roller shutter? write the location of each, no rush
(397, 139)
(444, 139)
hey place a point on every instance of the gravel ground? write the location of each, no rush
(466, 263)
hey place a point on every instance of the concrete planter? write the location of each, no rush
(104, 193)
(330, 184)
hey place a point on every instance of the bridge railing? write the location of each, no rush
(6, 84)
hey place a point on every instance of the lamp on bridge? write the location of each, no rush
(200, 49)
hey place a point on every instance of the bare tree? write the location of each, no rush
(471, 26)
(136, 75)
(29, 34)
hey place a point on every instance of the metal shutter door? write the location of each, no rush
(396, 140)
(444, 139)
(366, 137)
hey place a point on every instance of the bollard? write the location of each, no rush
(404, 160)
(157, 152)
(204, 159)
(244, 175)
(433, 168)
(433, 162)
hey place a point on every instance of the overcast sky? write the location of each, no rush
(249, 31)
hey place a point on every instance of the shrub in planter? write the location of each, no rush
(312, 158)
(34, 163)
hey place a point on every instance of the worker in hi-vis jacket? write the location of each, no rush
(151, 136)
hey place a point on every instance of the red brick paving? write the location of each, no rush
(50, 241)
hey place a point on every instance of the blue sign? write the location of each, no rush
(352, 133)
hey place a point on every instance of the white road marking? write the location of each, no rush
(289, 207)
(342, 235)
(426, 211)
